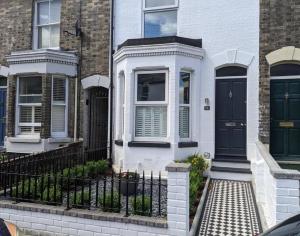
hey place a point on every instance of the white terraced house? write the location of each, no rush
(186, 82)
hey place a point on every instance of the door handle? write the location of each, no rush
(243, 125)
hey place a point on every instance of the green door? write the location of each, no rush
(285, 119)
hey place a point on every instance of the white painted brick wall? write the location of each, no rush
(61, 225)
(279, 198)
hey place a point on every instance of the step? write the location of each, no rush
(239, 174)
(231, 156)
(244, 164)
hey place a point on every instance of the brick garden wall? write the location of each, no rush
(279, 27)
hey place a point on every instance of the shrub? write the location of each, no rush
(91, 169)
(29, 189)
(139, 209)
(101, 167)
(78, 201)
(111, 202)
(54, 194)
(198, 166)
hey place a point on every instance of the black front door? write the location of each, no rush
(98, 118)
(230, 129)
(285, 119)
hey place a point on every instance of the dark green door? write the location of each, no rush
(285, 119)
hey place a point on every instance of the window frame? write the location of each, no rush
(19, 124)
(36, 27)
(189, 138)
(63, 134)
(164, 103)
(158, 9)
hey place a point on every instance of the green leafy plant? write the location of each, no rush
(101, 167)
(111, 202)
(28, 186)
(139, 208)
(53, 192)
(79, 197)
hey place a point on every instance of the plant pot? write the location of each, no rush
(131, 185)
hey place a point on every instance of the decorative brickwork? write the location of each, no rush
(279, 27)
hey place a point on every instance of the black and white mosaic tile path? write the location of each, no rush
(230, 210)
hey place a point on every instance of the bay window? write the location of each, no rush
(29, 104)
(151, 105)
(47, 23)
(160, 18)
(59, 107)
(184, 105)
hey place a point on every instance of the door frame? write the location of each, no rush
(283, 78)
(215, 106)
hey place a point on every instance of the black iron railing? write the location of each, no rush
(80, 187)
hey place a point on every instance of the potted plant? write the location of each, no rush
(129, 180)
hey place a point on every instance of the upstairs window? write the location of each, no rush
(160, 18)
(47, 23)
(29, 105)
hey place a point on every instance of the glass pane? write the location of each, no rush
(158, 24)
(159, 3)
(25, 114)
(44, 37)
(30, 90)
(3, 81)
(184, 88)
(43, 13)
(59, 90)
(151, 121)
(54, 36)
(231, 71)
(55, 8)
(285, 70)
(151, 87)
(184, 122)
(58, 118)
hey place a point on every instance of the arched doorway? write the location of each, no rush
(230, 113)
(285, 111)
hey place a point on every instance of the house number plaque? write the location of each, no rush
(286, 124)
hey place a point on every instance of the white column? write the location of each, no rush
(178, 198)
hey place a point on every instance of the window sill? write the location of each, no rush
(119, 142)
(24, 140)
(187, 144)
(149, 144)
(59, 140)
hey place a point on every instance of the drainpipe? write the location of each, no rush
(111, 72)
(78, 77)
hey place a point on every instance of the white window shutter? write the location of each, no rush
(184, 120)
(58, 119)
(151, 121)
(59, 90)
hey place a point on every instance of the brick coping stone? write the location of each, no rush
(85, 214)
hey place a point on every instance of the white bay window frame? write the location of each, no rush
(175, 5)
(37, 26)
(33, 125)
(162, 104)
(189, 106)
(64, 133)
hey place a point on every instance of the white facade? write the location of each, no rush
(230, 34)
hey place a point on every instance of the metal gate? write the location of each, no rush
(98, 109)
(2, 115)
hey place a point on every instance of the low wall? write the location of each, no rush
(276, 189)
(50, 220)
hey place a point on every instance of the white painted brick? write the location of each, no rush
(76, 225)
(23, 224)
(172, 182)
(93, 228)
(128, 232)
(181, 182)
(180, 225)
(85, 233)
(101, 234)
(177, 218)
(38, 226)
(110, 230)
(69, 231)
(44, 221)
(181, 197)
(288, 200)
(181, 211)
(145, 234)
(282, 192)
(287, 183)
(294, 209)
(282, 208)
(294, 192)
(54, 229)
(4, 216)
(171, 210)
(29, 219)
(177, 203)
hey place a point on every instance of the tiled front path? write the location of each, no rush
(230, 210)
